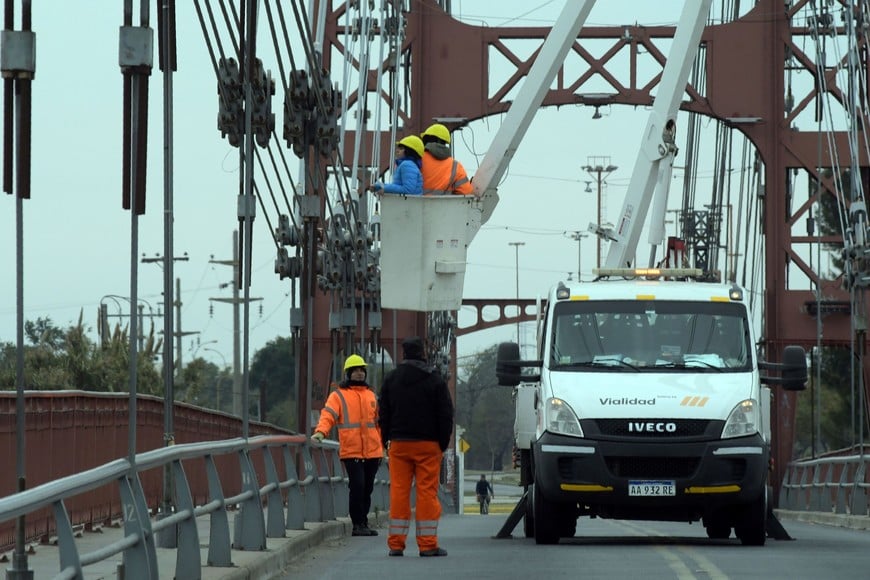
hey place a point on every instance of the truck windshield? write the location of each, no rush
(666, 336)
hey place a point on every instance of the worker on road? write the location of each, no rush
(442, 174)
(416, 419)
(407, 178)
(353, 408)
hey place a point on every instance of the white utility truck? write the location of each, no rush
(649, 404)
(649, 401)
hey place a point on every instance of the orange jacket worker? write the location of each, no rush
(416, 422)
(442, 174)
(353, 408)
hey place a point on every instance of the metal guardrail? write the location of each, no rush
(835, 484)
(319, 496)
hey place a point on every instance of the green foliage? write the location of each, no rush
(833, 396)
(43, 332)
(830, 217)
(273, 371)
(283, 415)
(66, 359)
(486, 411)
(197, 383)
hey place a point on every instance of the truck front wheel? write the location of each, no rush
(547, 518)
(751, 524)
(529, 515)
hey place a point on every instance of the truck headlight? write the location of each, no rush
(745, 419)
(560, 418)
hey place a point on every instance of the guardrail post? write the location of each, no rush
(219, 552)
(275, 501)
(382, 487)
(188, 561)
(842, 493)
(295, 505)
(785, 488)
(815, 490)
(66, 543)
(312, 487)
(250, 526)
(804, 503)
(340, 490)
(140, 560)
(324, 479)
(859, 494)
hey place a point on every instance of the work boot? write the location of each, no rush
(368, 530)
(358, 530)
(434, 552)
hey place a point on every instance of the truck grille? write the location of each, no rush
(572, 468)
(652, 467)
(682, 428)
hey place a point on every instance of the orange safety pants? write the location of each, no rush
(409, 461)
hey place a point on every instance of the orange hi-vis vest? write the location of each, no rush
(444, 176)
(354, 410)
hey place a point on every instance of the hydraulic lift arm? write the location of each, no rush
(655, 158)
(528, 101)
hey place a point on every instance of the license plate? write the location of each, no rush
(651, 488)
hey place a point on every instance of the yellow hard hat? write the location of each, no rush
(354, 361)
(414, 143)
(438, 130)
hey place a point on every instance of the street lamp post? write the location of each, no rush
(200, 345)
(103, 317)
(600, 168)
(218, 381)
(578, 237)
(516, 246)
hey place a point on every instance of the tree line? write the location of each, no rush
(58, 358)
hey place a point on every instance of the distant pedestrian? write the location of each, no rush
(416, 419)
(442, 174)
(353, 408)
(407, 176)
(484, 492)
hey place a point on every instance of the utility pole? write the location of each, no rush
(516, 246)
(174, 301)
(236, 301)
(179, 334)
(599, 168)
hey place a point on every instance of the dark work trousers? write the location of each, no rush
(361, 481)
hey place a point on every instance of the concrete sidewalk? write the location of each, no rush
(45, 559)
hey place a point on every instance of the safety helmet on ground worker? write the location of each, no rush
(413, 143)
(438, 130)
(354, 361)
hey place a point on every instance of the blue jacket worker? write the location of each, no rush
(407, 177)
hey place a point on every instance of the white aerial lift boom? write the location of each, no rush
(656, 156)
(423, 259)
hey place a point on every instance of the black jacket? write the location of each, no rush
(415, 405)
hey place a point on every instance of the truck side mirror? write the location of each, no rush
(507, 368)
(794, 368)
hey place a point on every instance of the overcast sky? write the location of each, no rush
(77, 237)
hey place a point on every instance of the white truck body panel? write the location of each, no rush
(651, 396)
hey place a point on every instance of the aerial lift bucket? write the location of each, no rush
(424, 242)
